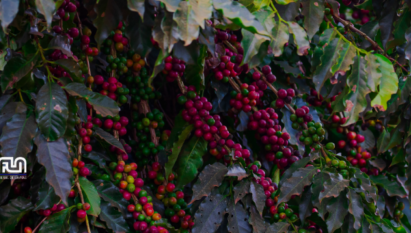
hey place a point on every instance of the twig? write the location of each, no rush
(38, 225)
(181, 85)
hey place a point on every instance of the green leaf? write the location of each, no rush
(8, 11)
(109, 138)
(188, 28)
(285, 2)
(317, 188)
(165, 32)
(210, 214)
(18, 133)
(113, 218)
(90, 196)
(240, 15)
(102, 104)
(139, 34)
(176, 149)
(297, 165)
(237, 218)
(356, 101)
(16, 69)
(338, 209)
(201, 10)
(54, 156)
(345, 59)
(172, 5)
(251, 44)
(137, 6)
(355, 207)
(110, 193)
(402, 24)
(393, 188)
(58, 222)
(296, 183)
(386, 20)
(47, 197)
(305, 205)
(388, 83)
(383, 140)
(313, 11)
(258, 195)
(98, 158)
(47, 8)
(52, 111)
(278, 227)
(334, 186)
(241, 190)
(61, 43)
(370, 190)
(109, 15)
(194, 72)
(300, 38)
(256, 221)
(328, 58)
(211, 176)
(72, 68)
(11, 213)
(158, 66)
(179, 126)
(190, 160)
(399, 157)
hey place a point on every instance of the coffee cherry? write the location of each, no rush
(81, 214)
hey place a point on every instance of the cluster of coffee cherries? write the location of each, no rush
(228, 36)
(116, 37)
(66, 8)
(341, 165)
(398, 214)
(301, 117)
(80, 168)
(284, 97)
(313, 135)
(125, 63)
(173, 68)
(310, 226)
(85, 132)
(245, 100)
(337, 122)
(139, 89)
(283, 213)
(56, 208)
(377, 124)
(82, 211)
(356, 156)
(229, 67)
(313, 98)
(362, 16)
(111, 88)
(266, 72)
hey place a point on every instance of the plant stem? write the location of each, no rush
(38, 225)
(21, 96)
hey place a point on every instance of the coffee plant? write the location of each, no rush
(205, 116)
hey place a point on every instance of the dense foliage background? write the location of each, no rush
(206, 115)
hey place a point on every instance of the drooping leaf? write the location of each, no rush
(388, 83)
(18, 133)
(113, 218)
(72, 68)
(12, 212)
(300, 38)
(338, 209)
(57, 222)
(258, 195)
(256, 221)
(334, 186)
(355, 101)
(90, 196)
(211, 176)
(241, 190)
(139, 34)
(176, 149)
(47, 197)
(305, 206)
(328, 58)
(237, 218)
(317, 188)
(102, 104)
(165, 32)
(386, 20)
(54, 156)
(187, 26)
(345, 59)
(369, 190)
(393, 188)
(109, 15)
(296, 183)
(210, 214)
(355, 207)
(240, 15)
(190, 160)
(238, 171)
(137, 6)
(313, 11)
(281, 35)
(16, 69)
(110, 193)
(201, 10)
(109, 138)
(47, 9)
(52, 111)
(251, 43)
(280, 227)
(8, 10)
